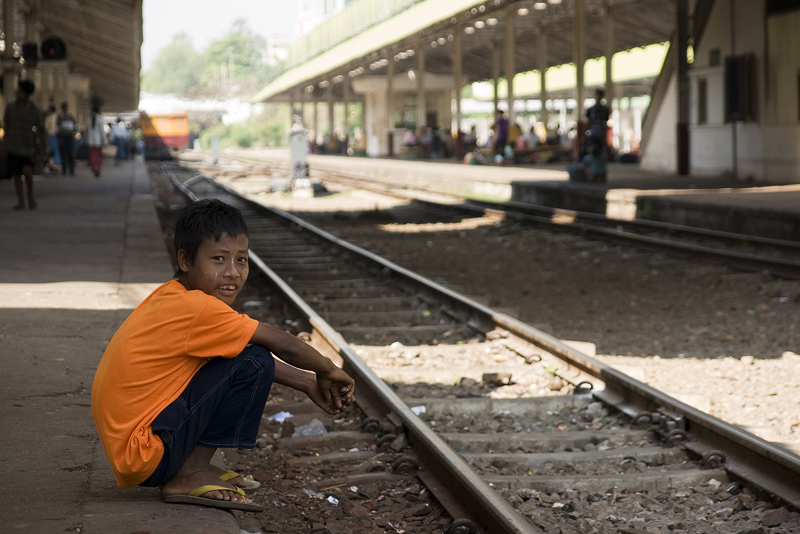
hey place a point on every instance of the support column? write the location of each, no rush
(331, 122)
(10, 65)
(608, 20)
(346, 96)
(390, 108)
(608, 23)
(509, 66)
(542, 72)
(302, 106)
(495, 70)
(682, 37)
(291, 108)
(422, 112)
(579, 40)
(457, 66)
(316, 121)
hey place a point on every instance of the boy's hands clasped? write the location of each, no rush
(337, 391)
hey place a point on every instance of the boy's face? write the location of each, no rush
(220, 269)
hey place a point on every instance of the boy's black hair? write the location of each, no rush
(203, 219)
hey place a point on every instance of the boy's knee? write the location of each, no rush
(260, 357)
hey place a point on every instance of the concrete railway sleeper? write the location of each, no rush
(610, 455)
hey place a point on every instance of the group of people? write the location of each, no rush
(31, 138)
(433, 142)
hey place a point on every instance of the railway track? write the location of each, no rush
(778, 257)
(585, 442)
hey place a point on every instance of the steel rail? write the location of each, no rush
(641, 223)
(743, 455)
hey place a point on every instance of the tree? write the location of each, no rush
(235, 65)
(176, 69)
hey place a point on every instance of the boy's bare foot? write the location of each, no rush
(238, 480)
(198, 482)
(184, 485)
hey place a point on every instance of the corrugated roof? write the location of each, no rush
(373, 40)
(637, 23)
(103, 40)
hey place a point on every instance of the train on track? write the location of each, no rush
(164, 134)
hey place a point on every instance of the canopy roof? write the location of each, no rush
(103, 41)
(637, 23)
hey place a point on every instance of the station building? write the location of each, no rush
(725, 100)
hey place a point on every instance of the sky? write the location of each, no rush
(207, 20)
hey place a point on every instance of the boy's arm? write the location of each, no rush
(334, 389)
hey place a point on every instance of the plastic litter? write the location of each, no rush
(419, 410)
(280, 417)
(314, 428)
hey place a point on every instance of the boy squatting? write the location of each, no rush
(185, 374)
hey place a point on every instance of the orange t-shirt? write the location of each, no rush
(148, 364)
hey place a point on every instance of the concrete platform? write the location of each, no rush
(72, 271)
(718, 203)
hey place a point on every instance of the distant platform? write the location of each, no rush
(716, 203)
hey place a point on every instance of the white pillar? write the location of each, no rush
(457, 77)
(316, 121)
(346, 93)
(509, 67)
(495, 70)
(608, 19)
(331, 124)
(422, 112)
(390, 107)
(291, 108)
(542, 72)
(579, 39)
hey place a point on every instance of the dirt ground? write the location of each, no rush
(720, 340)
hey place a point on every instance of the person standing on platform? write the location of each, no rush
(596, 142)
(51, 125)
(500, 137)
(66, 140)
(95, 138)
(120, 136)
(25, 135)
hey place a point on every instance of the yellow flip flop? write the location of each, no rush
(196, 497)
(249, 483)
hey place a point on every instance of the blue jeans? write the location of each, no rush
(221, 407)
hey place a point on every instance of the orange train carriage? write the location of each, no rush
(164, 134)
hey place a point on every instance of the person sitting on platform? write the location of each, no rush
(409, 139)
(185, 373)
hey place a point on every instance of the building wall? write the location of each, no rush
(660, 152)
(748, 149)
(764, 146)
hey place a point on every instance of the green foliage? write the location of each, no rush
(177, 68)
(267, 130)
(234, 63)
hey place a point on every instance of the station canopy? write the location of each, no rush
(103, 42)
(430, 25)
